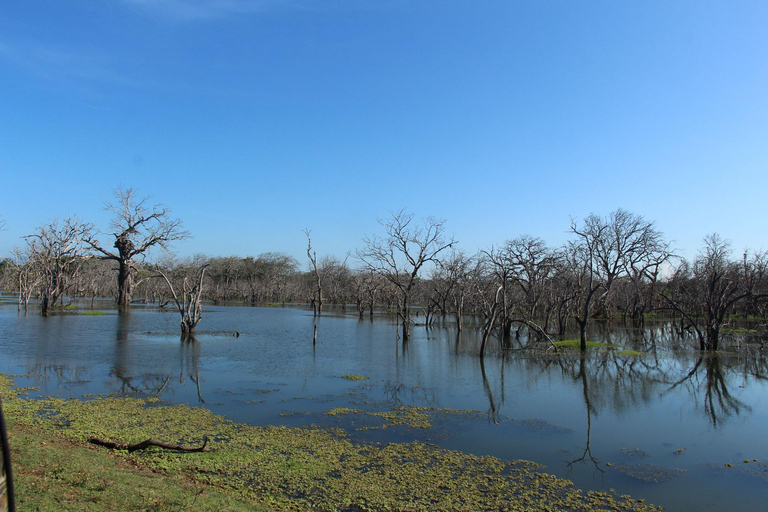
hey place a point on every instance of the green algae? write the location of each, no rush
(650, 473)
(354, 378)
(308, 468)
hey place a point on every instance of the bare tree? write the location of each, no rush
(705, 292)
(317, 299)
(400, 256)
(25, 277)
(605, 249)
(56, 253)
(191, 288)
(137, 227)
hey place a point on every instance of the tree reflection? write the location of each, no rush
(709, 377)
(190, 363)
(582, 376)
(45, 374)
(606, 377)
(493, 410)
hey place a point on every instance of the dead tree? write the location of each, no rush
(603, 251)
(56, 253)
(189, 304)
(137, 228)
(400, 256)
(317, 299)
(705, 292)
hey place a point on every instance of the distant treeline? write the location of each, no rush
(617, 266)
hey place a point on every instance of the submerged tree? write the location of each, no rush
(56, 253)
(190, 284)
(400, 256)
(137, 227)
(606, 249)
(317, 297)
(706, 291)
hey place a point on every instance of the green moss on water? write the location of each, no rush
(354, 378)
(280, 468)
(729, 330)
(93, 313)
(577, 344)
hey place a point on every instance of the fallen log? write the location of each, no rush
(146, 444)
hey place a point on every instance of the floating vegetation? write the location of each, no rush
(410, 416)
(635, 452)
(539, 424)
(281, 468)
(730, 330)
(650, 472)
(354, 378)
(577, 344)
(754, 469)
(93, 313)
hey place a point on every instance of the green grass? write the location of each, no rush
(65, 307)
(354, 378)
(577, 344)
(53, 473)
(730, 330)
(246, 467)
(93, 313)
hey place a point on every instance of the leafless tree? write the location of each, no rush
(56, 253)
(705, 292)
(137, 227)
(317, 298)
(402, 253)
(455, 273)
(604, 250)
(25, 278)
(190, 289)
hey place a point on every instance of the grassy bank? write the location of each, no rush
(253, 468)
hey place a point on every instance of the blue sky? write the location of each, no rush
(252, 120)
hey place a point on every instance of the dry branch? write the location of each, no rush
(146, 444)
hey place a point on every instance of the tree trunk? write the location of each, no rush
(582, 334)
(124, 283)
(406, 320)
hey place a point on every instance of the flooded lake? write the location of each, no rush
(662, 426)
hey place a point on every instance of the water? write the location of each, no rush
(609, 421)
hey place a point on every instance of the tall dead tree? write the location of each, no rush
(604, 250)
(136, 228)
(402, 253)
(317, 300)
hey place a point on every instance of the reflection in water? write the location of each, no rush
(719, 402)
(190, 363)
(582, 376)
(262, 377)
(493, 410)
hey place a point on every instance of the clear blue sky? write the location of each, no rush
(253, 120)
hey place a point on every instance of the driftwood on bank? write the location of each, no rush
(146, 444)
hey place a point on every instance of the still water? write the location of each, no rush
(660, 426)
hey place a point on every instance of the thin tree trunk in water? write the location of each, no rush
(489, 322)
(406, 320)
(582, 334)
